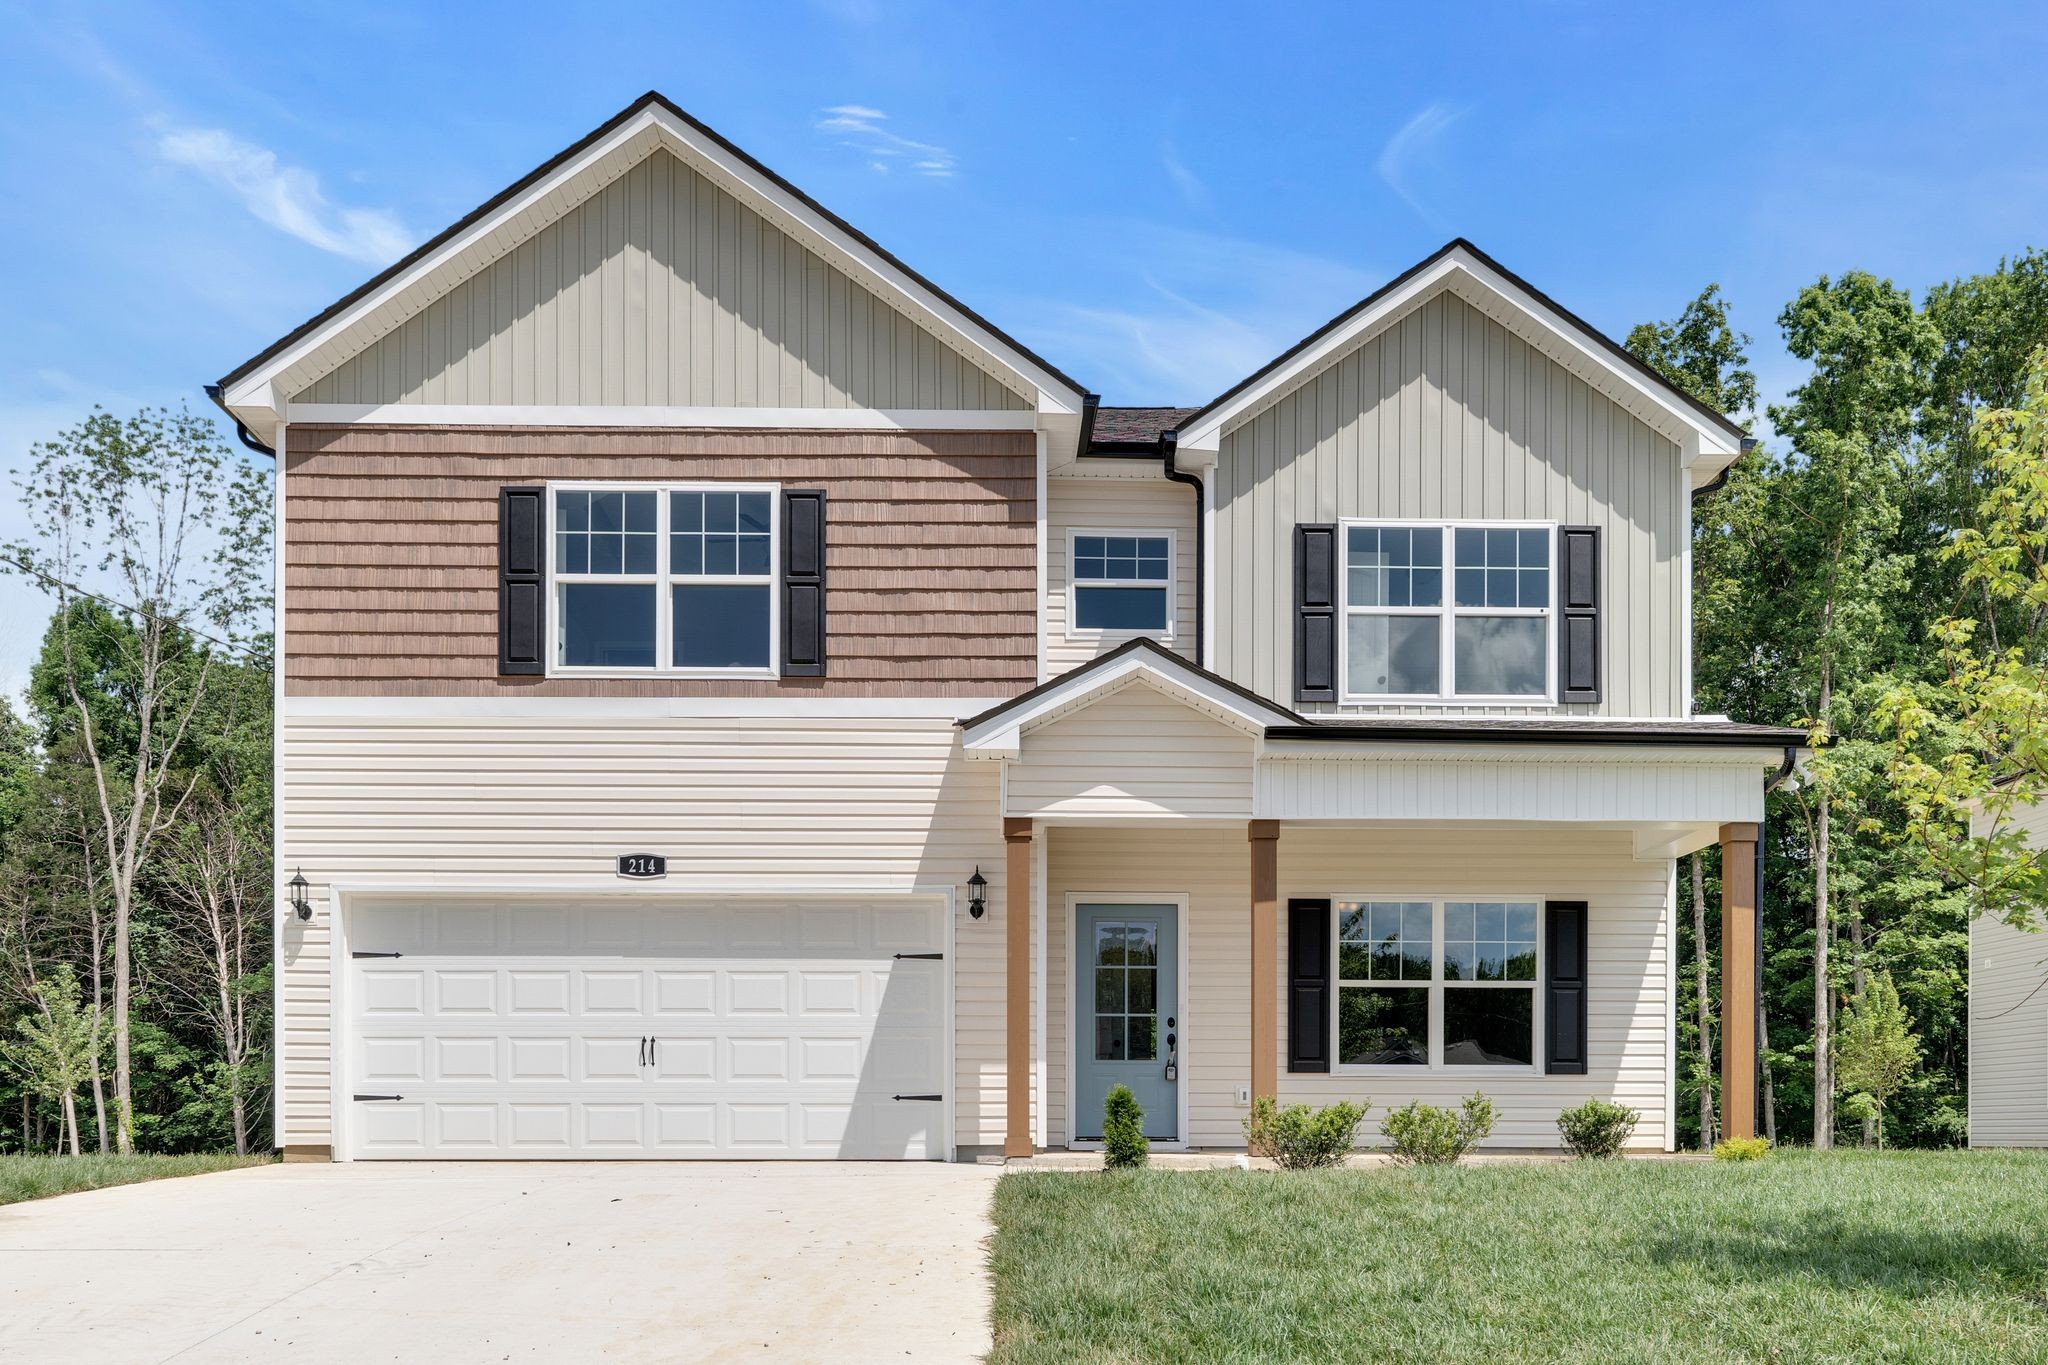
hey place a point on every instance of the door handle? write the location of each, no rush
(643, 1052)
(654, 1052)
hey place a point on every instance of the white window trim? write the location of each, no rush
(1077, 632)
(1447, 612)
(663, 581)
(1435, 987)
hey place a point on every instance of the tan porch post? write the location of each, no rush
(1738, 980)
(1265, 840)
(1017, 1008)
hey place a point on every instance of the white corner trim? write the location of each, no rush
(1484, 287)
(716, 419)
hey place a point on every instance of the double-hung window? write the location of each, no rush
(1447, 611)
(665, 579)
(1122, 583)
(1437, 983)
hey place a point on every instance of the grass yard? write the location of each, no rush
(1846, 1256)
(39, 1177)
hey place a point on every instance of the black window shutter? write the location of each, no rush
(803, 583)
(1564, 988)
(1308, 985)
(1315, 612)
(1578, 632)
(522, 580)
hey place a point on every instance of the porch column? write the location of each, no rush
(1265, 841)
(1738, 980)
(1017, 1006)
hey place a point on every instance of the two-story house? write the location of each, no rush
(736, 701)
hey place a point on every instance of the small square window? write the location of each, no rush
(1121, 583)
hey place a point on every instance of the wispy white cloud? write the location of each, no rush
(1191, 186)
(860, 127)
(1190, 313)
(288, 198)
(1412, 153)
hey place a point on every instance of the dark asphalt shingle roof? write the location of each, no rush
(1140, 425)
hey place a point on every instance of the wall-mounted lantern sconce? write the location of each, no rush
(299, 886)
(977, 900)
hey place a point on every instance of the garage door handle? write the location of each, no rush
(917, 1097)
(376, 954)
(921, 957)
(380, 1097)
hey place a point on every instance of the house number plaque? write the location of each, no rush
(642, 865)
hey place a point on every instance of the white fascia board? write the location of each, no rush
(452, 708)
(1052, 395)
(517, 415)
(1473, 281)
(1564, 751)
(999, 736)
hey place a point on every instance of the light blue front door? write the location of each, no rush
(1127, 1014)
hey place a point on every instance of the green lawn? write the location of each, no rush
(1849, 1256)
(38, 1177)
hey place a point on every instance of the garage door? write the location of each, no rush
(646, 1030)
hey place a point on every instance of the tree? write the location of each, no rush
(1877, 1050)
(1837, 510)
(1701, 353)
(156, 507)
(56, 1047)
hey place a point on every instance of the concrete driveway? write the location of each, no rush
(503, 1262)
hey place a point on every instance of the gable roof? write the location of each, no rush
(541, 196)
(1702, 433)
(995, 730)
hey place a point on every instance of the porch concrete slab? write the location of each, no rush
(506, 1262)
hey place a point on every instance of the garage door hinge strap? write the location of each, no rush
(917, 1097)
(922, 957)
(379, 1097)
(376, 954)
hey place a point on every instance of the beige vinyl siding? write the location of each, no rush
(391, 554)
(1118, 501)
(662, 289)
(1446, 414)
(1629, 999)
(545, 803)
(1134, 754)
(2008, 1036)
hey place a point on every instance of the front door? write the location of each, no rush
(1127, 1014)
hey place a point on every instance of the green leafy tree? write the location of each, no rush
(57, 1042)
(1877, 1050)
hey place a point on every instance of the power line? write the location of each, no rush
(49, 580)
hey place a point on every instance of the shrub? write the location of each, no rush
(1423, 1133)
(1123, 1129)
(1299, 1138)
(1741, 1149)
(1596, 1128)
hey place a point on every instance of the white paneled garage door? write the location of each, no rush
(645, 1029)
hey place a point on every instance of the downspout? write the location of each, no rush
(213, 391)
(1168, 442)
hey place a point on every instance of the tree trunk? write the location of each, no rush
(1823, 1080)
(124, 1079)
(99, 1071)
(71, 1120)
(1699, 943)
(1763, 1052)
(1873, 1124)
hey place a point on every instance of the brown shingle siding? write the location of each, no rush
(391, 554)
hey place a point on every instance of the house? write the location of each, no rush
(2009, 1013)
(735, 700)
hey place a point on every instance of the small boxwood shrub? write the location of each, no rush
(1423, 1134)
(1597, 1128)
(1299, 1138)
(1123, 1130)
(1741, 1149)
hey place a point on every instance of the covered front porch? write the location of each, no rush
(1226, 903)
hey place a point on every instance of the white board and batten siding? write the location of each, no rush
(662, 289)
(1124, 495)
(2009, 1023)
(1447, 415)
(1629, 942)
(539, 806)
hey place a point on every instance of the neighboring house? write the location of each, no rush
(1331, 740)
(2009, 1020)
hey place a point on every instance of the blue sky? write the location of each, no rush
(1157, 197)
